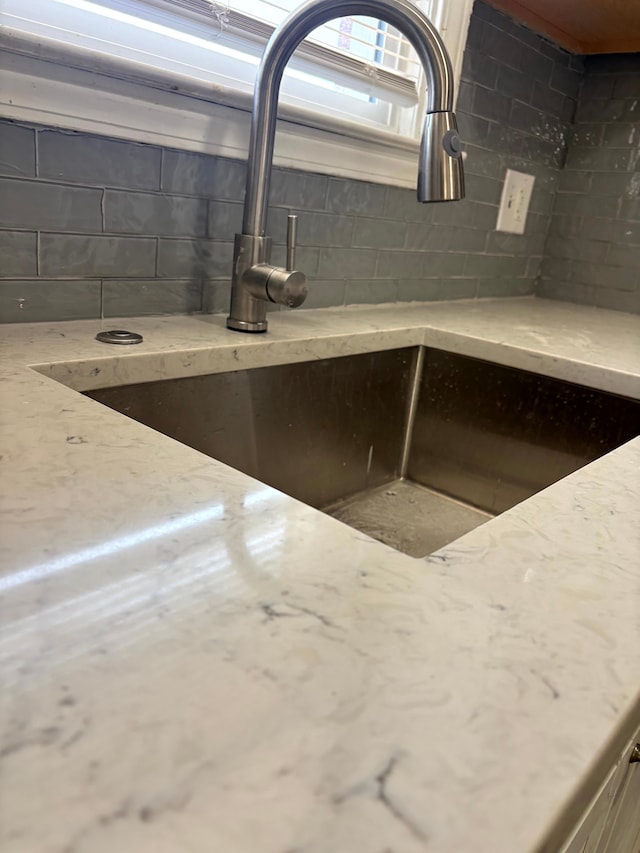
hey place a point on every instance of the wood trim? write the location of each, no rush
(604, 28)
(541, 25)
(626, 45)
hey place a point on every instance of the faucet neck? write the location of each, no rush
(402, 14)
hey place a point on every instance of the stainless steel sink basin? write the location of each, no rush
(413, 446)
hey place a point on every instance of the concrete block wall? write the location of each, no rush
(592, 255)
(92, 226)
(517, 100)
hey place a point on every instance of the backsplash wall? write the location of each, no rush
(592, 255)
(94, 226)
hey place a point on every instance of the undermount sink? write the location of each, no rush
(414, 447)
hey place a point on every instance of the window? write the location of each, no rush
(354, 76)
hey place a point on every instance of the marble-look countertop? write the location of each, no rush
(192, 661)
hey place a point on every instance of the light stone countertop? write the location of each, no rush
(192, 661)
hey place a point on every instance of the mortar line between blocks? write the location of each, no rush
(36, 147)
(161, 175)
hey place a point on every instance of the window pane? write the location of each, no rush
(366, 38)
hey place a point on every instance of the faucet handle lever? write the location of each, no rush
(292, 233)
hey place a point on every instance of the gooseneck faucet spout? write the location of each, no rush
(255, 281)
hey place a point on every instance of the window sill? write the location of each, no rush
(75, 90)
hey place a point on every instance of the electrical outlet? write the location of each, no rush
(514, 204)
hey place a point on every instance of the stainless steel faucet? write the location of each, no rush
(255, 282)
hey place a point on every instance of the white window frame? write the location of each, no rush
(66, 85)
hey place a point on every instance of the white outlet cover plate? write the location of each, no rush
(514, 204)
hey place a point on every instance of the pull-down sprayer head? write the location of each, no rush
(440, 173)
